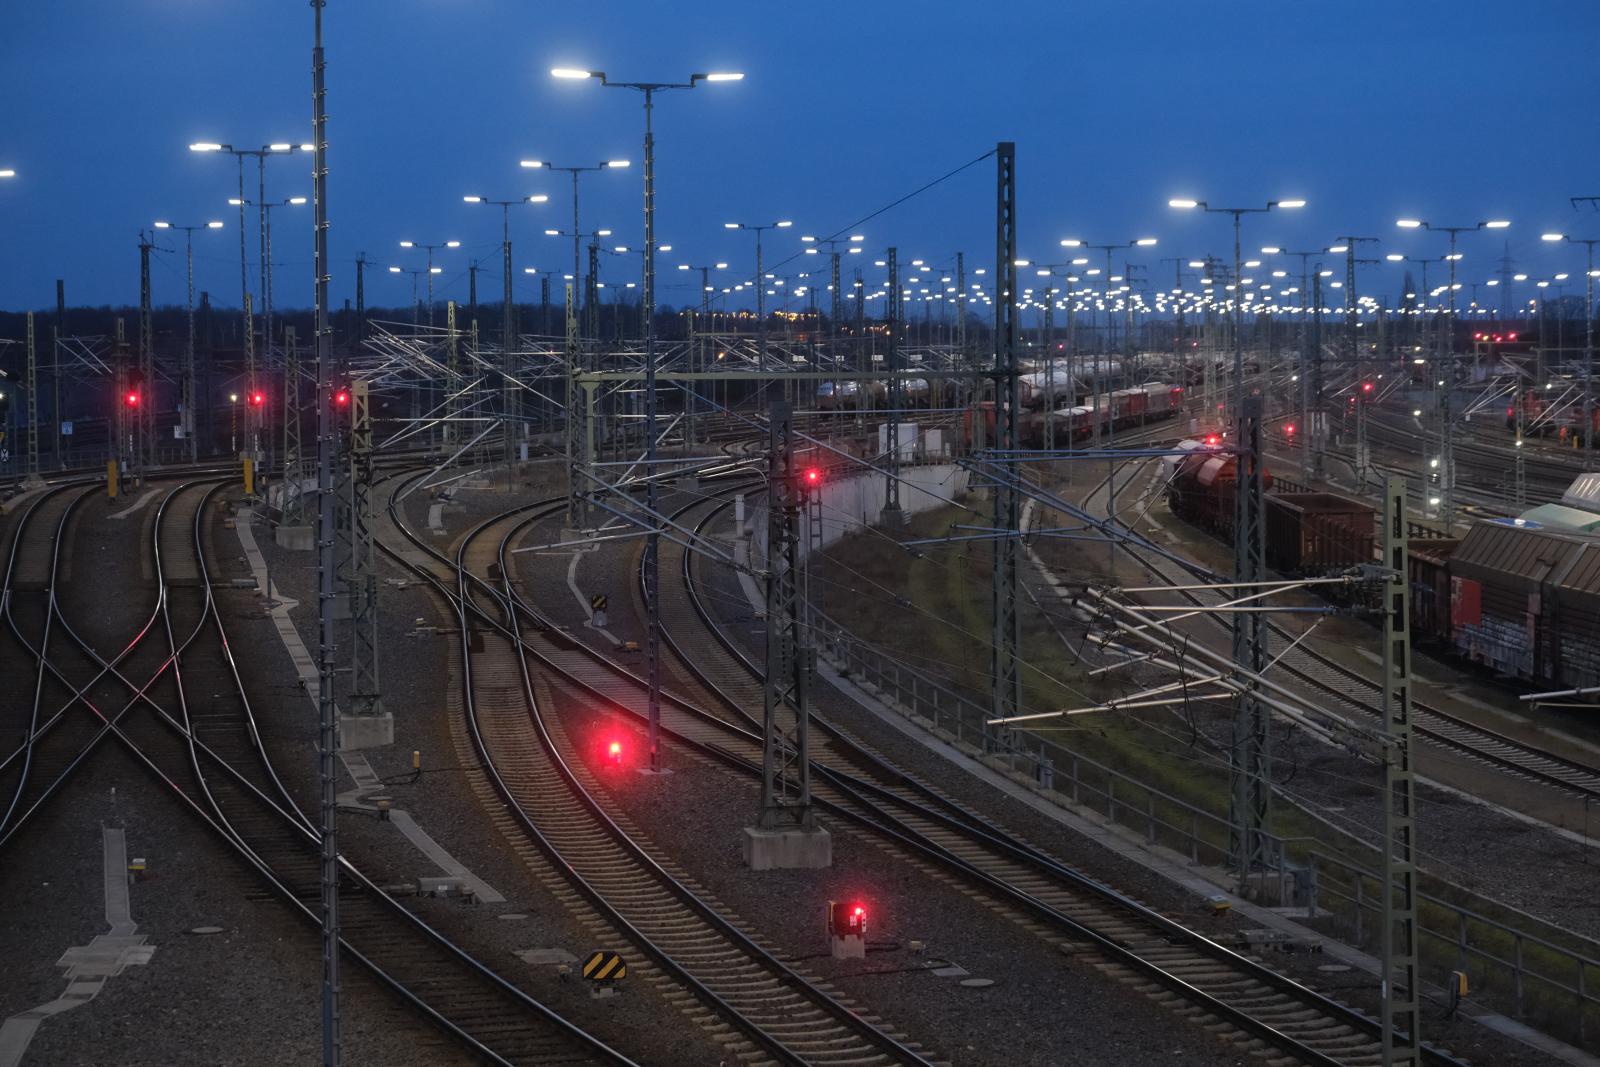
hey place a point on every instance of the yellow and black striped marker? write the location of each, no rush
(604, 966)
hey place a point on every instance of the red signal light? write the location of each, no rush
(813, 476)
(131, 398)
(1213, 440)
(614, 753)
(257, 399)
(341, 398)
(1512, 337)
(1366, 387)
(1289, 429)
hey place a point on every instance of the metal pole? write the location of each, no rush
(893, 397)
(1004, 675)
(326, 430)
(188, 389)
(761, 305)
(1401, 1014)
(1250, 770)
(652, 547)
(508, 393)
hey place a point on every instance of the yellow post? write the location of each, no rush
(111, 479)
(249, 476)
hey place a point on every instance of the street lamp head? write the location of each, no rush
(1023, 262)
(297, 200)
(8, 173)
(1408, 224)
(552, 233)
(733, 225)
(407, 244)
(1497, 224)
(783, 225)
(808, 239)
(1270, 250)
(1336, 249)
(435, 270)
(163, 225)
(1394, 257)
(722, 266)
(1290, 203)
(617, 163)
(663, 248)
(280, 146)
(472, 199)
(1183, 203)
(722, 76)
(530, 270)
(452, 244)
(683, 266)
(603, 233)
(205, 146)
(234, 201)
(1071, 242)
(213, 225)
(1197, 264)
(533, 164)
(394, 270)
(571, 73)
(538, 198)
(308, 148)
(1552, 237)
(1145, 242)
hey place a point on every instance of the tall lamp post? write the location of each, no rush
(1588, 328)
(697, 355)
(652, 544)
(277, 148)
(761, 282)
(1250, 769)
(1447, 372)
(577, 227)
(432, 270)
(415, 272)
(266, 289)
(653, 541)
(510, 405)
(186, 419)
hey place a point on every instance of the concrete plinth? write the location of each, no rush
(295, 538)
(365, 731)
(847, 947)
(770, 850)
(892, 518)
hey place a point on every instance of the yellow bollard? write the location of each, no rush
(111, 479)
(249, 476)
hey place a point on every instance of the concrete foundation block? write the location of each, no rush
(365, 731)
(893, 518)
(770, 850)
(847, 947)
(295, 538)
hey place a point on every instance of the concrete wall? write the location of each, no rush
(849, 504)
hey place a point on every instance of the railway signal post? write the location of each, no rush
(786, 833)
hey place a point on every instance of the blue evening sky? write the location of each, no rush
(1369, 109)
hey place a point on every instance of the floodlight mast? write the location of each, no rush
(653, 543)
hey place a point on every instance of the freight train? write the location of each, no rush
(846, 395)
(1518, 595)
(1121, 409)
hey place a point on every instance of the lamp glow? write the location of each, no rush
(569, 72)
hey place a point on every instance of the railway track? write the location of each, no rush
(1160, 957)
(201, 742)
(1355, 693)
(779, 1014)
